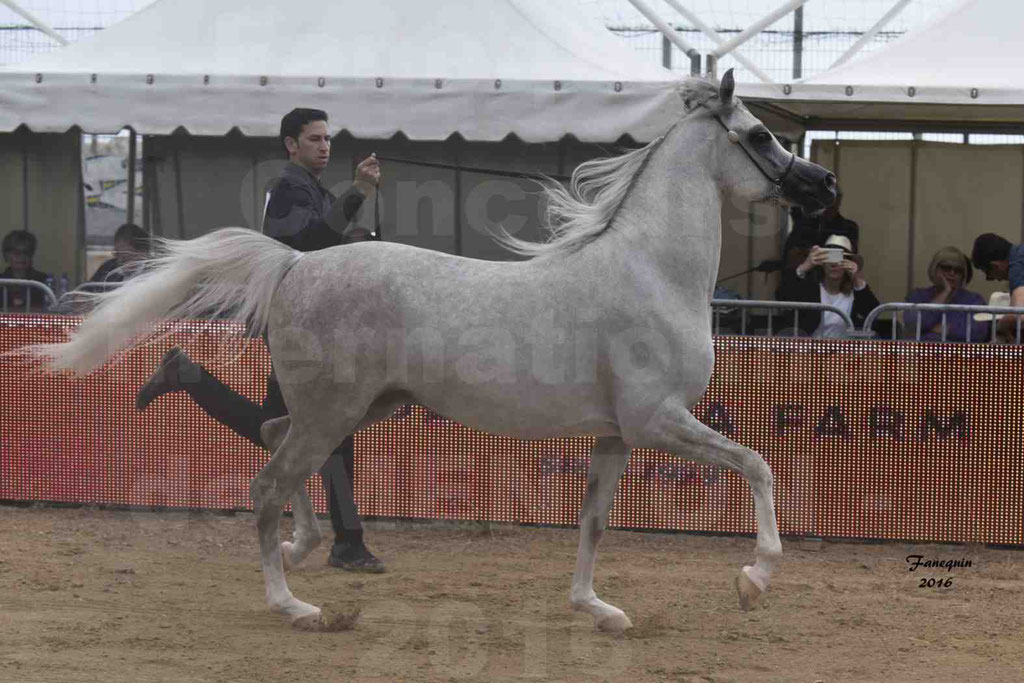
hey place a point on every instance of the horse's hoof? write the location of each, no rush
(614, 623)
(748, 591)
(309, 622)
(286, 555)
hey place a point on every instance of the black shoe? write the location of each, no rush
(355, 559)
(164, 379)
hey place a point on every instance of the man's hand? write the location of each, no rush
(367, 175)
(1006, 328)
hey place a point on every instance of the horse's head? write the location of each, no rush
(754, 165)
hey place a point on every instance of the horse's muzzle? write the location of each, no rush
(811, 186)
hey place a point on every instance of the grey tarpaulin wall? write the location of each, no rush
(195, 184)
(202, 183)
(41, 191)
(913, 197)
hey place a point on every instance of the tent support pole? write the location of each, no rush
(146, 205)
(871, 33)
(179, 199)
(757, 27)
(24, 181)
(35, 21)
(798, 43)
(912, 228)
(132, 150)
(151, 189)
(81, 227)
(717, 39)
(458, 197)
(666, 30)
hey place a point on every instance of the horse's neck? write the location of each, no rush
(671, 220)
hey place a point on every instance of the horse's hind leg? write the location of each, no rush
(674, 429)
(607, 462)
(299, 455)
(307, 534)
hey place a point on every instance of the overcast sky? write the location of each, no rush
(771, 52)
(818, 14)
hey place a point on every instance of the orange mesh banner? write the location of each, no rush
(868, 439)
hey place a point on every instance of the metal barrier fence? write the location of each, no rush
(945, 310)
(28, 286)
(720, 307)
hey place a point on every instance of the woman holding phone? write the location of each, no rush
(831, 274)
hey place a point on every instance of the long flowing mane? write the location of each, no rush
(577, 216)
(580, 214)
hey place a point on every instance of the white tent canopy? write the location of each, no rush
(481, 68)
(966, 68)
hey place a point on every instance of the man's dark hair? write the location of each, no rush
(293, 122)
(988, 248)
(136, 236)
(20, 239)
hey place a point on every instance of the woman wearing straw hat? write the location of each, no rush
(833, 275)
(949, 271)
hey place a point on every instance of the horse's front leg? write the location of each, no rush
(607, 462)
(675, 430)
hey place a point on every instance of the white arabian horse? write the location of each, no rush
(605, 332)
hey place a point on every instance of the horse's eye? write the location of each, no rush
(762, 137)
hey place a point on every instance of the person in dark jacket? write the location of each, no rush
(19, 249)
(1000, 259)
(839, 283)
(301, 213)
(811, 229)
(131, 245)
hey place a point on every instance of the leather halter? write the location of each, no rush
(754, 158)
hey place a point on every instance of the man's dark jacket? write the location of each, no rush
(304, 215)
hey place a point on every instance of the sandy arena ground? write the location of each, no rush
(90, 595)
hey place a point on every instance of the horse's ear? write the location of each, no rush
(726, 89)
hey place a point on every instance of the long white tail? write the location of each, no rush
(230, 273)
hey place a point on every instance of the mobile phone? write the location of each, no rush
(833, 255)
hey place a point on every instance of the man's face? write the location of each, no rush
(312, 150)
(998, 270)
(124, 252)
(19, 259)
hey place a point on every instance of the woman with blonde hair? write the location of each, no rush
(949, 271)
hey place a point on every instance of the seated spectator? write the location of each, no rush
(1000, 260)
(839, 284)
(19, 249)
(949, 271)
(131, 244)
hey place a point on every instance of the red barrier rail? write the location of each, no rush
(867, 439)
